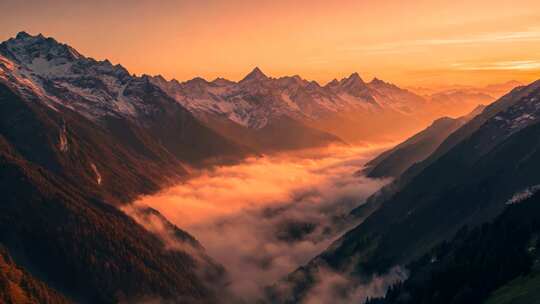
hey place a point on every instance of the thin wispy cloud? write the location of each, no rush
(512, 65)
(532, 35)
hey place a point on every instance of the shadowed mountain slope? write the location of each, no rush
(394, 162)
(497, 157)
(79, 137)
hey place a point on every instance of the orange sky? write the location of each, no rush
(409, 42)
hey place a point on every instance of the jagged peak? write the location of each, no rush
(27, 46)
(53, 56)
(23, 35)
(353, 81)
(353, 78)
(255, 74)
(356, 77)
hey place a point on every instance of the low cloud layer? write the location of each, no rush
(340, 288)
(265, 217)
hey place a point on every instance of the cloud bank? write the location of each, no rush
(265, 217)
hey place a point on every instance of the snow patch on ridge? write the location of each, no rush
(523, 195)
(63, 141)
(43, 67)
(287, 99)
(96, 173)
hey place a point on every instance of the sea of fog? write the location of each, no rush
(268, 215)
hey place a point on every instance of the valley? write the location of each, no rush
(132, 188)
(267, 216)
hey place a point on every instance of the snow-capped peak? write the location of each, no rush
(256, 99)
(97, 88)
(353, 85)
(25, 48)
(58, 74)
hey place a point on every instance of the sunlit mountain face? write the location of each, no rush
(238, 152)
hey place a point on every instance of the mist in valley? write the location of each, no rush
(265, 217)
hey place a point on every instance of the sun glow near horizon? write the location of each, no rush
(416, 42)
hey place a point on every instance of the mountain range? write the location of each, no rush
(252, 113)
(80, 138)
(350, 109)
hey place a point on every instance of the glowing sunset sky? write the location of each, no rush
(413, 42)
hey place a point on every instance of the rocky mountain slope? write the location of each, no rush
(468, 180)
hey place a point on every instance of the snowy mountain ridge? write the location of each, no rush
(352, 109)
(257, 98)
(60, 75)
